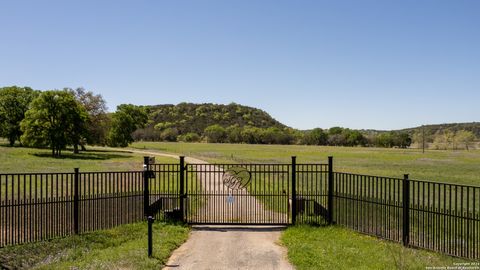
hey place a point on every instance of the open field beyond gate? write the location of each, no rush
(400, 157)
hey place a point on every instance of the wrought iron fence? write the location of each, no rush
(38, 206)
(432, 215)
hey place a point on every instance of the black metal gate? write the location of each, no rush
(260, 194)
(238, 193)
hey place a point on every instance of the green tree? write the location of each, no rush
(384, 139)
(354, 138)
(14, 103)
(401, 139)
(335, 131)
(55, 119)
(465, 137)
(272, 135)
(215, 134)
(189, 137)
(97, 121)
(439, 142)
(295, 136)
(125, 121)
(419, 139)
(164, 125)
(234, 134)
(336, 136)
(315, 136)
(169, 134)
(449, 138)
(251, 135)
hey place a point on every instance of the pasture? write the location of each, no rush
(27, 160)
(308, 246)
(460, 167)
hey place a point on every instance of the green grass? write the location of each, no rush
(337, 248)
(123, 247)
(21, 159)
(460, 167)
(309, 247)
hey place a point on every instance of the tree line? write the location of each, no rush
(235, 123)
(444, 139)
(75, 118)
(336, 136)
(68, 117)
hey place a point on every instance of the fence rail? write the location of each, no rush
(40, 206)
(432, 215)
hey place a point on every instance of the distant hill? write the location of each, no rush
(168, 121)
(439, 128)
(191, 117)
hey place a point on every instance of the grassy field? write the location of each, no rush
(20, 159)
(460, 167)
(123, 247)
(309, 247)
(337, 248)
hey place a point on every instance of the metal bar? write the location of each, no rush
(294, 189)
(183, 195)
(330, 190)
(75, 201)
(406, 214)
(430, 215)
(150, 233)
(146, 195)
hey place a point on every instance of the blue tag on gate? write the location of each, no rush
(230, 199)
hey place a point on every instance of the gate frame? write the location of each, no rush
(183, 193)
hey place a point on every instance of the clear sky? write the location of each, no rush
(381, 64)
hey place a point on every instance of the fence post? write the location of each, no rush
(294, 190)
(330, 191)
(406, 210)
(182, 188)
(150, 233)
(75, 201)
(146, 194)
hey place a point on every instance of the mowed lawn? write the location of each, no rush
(461, 167)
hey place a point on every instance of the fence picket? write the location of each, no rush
(432, 215)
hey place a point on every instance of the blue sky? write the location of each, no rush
(360, 64)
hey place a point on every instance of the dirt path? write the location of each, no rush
(231, 247)
(155, 153)
(228, 247)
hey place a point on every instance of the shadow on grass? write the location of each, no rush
(90, 155)
(236, 228)
(17, 145)
(108, 151)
